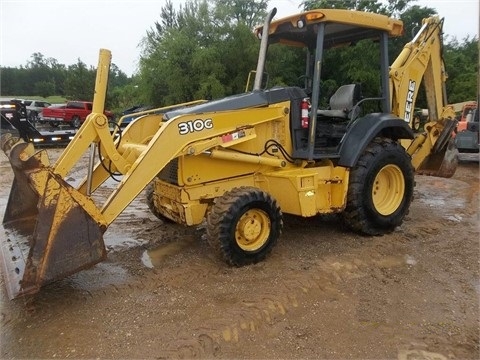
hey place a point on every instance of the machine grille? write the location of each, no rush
(170, 172)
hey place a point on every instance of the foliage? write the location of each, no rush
(44, 88)
(462, 61)
(123, 97)
(245, 12)
(44, 77)
(80, 81)
(206, 49)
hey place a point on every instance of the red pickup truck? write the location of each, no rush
(73, 113)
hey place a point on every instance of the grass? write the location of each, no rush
(56, 99)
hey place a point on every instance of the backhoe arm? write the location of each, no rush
(422, 59)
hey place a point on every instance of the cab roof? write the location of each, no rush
(343, 27)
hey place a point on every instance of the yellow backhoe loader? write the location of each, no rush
(240, 162)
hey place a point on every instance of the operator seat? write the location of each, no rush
(342, 103)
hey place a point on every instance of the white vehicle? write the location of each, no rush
(34, 108)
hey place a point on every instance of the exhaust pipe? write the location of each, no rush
(262, 54)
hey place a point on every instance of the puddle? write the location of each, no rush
(127, 231)
(419, 355)
(455, 218)
(100, 276)
(476, 286)
(115, 240)
(410, 260)
(440, 201)
(446, 197)
(155, 257)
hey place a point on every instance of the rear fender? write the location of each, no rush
(365, 129)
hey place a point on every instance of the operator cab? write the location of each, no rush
(323, 134)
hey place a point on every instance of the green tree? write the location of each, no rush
(44, 88)
(412, 22)
(247, 12)
(123, 97)
(116, 77)
(205, 52)
(38, 71)
(461, 59)
(12, 81)
(205, 49)
(239, 53)
(80, 82)
(46, 76)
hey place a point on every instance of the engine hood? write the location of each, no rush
(251, 99)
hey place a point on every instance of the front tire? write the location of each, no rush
(380, 188)
(244, 225)
(33, 117)
(76, 122)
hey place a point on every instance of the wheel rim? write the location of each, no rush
(253, 229)
(388, 189)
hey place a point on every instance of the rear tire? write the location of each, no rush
(244, 225)
(380, 188)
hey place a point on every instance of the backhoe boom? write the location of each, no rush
(421, 59)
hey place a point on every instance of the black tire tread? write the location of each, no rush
(76, 122)
(355, 215)
(223, 214)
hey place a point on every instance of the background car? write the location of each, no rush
(34, 108)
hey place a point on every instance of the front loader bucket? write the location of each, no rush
(52, 230)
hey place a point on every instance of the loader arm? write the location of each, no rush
(167, 143)
(65, 225)
(422, 59)
(141, 156)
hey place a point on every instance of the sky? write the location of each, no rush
(68, 30)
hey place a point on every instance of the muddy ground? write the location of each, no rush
(324, 292)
